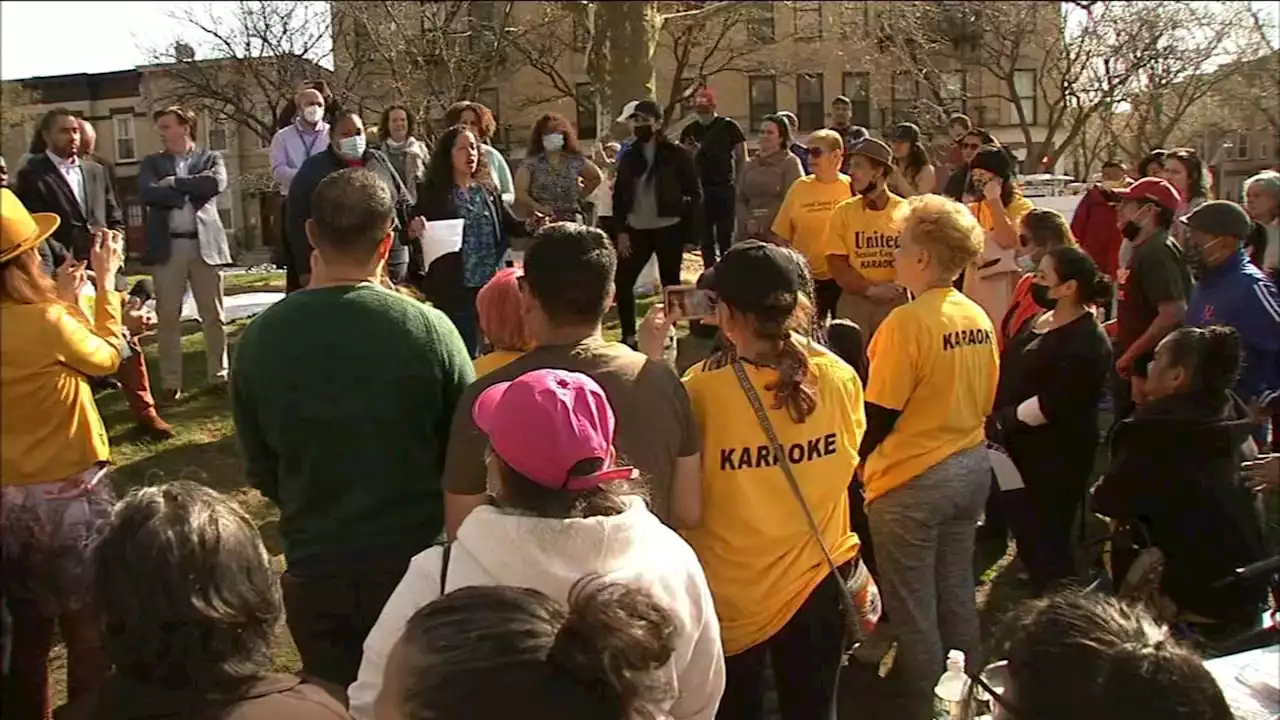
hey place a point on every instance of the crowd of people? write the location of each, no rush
(489, 510)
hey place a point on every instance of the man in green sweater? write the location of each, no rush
(343, 395)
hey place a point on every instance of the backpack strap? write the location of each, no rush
(444, 566)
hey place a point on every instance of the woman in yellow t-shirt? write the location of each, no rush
(500, 309)
(990, 279)
(54, 494)
(773, 591)
(934, 367)
(802, 219)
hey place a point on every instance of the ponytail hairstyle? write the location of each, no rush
(793, 389)
(498, 652)
(1072, 263)
(1210, 355)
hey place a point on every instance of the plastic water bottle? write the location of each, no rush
(949, 693)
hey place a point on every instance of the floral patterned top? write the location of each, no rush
(480, 258)
(557, 187)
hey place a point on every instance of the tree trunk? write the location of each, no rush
(621, 66)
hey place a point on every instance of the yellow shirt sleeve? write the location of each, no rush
(90, 350)
(1018, 209)
(895, 375)
(838, 230)
(782, 221)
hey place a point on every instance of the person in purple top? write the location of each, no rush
(308, 135)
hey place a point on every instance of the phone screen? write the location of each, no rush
(694, 304)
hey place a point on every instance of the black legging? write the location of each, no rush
(668, 244)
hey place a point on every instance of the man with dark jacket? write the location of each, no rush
(656, 187)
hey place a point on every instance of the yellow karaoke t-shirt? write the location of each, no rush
(486, 364)
(802, 219)
(1017, 208)
(935, 359)
(867, 237)
(760, 557)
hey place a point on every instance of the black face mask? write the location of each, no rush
(1040, 295)
(1131, 230)
(643, 133)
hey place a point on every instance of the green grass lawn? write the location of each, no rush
(204, 449)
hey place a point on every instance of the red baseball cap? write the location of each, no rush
(1152, 189)
(545, 422)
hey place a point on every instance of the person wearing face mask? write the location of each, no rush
(1233, 291)
(958, 186)
(999, 208)
(1042, 230)
(656, 187)
(1052, 375)
(766, 180)
(291, 146)
(720, 151)
(862, 239)
(1152, 290)
(348, 148)
(555, 176)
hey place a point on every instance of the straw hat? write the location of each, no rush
(20, 230)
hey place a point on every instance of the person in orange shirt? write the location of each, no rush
(53, 453)
(990, 279)
(1042, 230)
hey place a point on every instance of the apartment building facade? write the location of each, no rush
(120, 106)
(808, 54)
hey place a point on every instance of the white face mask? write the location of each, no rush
(553, 142)
(352, 148)
(313, 113)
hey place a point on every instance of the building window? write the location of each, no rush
(760, 23)
(951, 91)
(133, 214)
(1024, 85)
(588, 111)
(904, 96)
(126, 149)
(811, 107)
(763, 92)
(857, 87)
(808, 19)
(488, 97)
(1240, 149)
(484, 25)
(217, 136)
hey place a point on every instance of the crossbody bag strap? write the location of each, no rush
(780, 455)
(444, 566)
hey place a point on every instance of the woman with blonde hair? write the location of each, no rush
(932, 382)
(1042, 230)
(54, 496)
(501, 312)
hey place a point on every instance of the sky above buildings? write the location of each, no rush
(41, 38)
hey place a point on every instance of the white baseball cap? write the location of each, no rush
(628, 110)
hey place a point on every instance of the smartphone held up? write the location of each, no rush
(690, 302)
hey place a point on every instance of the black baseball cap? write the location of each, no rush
(647, 108)
(751, 274)
(1220, 217)
(906, 132)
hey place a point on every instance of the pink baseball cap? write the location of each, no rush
(547, 421)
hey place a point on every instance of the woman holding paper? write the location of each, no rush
(466, 231)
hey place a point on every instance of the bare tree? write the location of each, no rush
(241, 63)
(426, 55)
(13, 97)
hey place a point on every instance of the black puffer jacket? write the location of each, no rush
(1175, 467)
(677, 188)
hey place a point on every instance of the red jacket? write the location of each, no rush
(1094, 226)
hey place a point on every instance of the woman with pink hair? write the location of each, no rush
(502, 320)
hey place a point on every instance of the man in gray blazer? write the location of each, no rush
(185, 243)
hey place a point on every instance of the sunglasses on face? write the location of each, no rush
(816, 152)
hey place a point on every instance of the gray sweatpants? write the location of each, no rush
(924, 536)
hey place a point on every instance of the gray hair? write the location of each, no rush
(1268, 179)
(185, 588)
(351, 211)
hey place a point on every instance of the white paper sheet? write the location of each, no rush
(440, 237)
(1250, 682)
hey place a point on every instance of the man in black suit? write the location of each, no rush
(56, 179)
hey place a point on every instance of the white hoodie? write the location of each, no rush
(498, 548)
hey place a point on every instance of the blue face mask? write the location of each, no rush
(352, 148)
(553, 141)
(1026, 263)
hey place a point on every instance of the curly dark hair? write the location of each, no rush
(384, 122)
(437, 183)
(453, 116)
(553, 122)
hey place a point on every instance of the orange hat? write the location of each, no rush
(20, 230)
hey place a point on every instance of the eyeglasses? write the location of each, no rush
(815, 151)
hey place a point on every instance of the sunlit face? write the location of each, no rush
(1261, 202)
(824, 161)
(981, 177)
(1163, 377)
(901, 148)
(841, 113)
(969, 147)
(1047, 275)
(63, 136)
(398, 124)
(466, 152)
(88, 137)
(864, 172)
(470, 119)
(770, 136)
(1176, 173)
(174, 136)
(348, 126)
(1112, 174)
